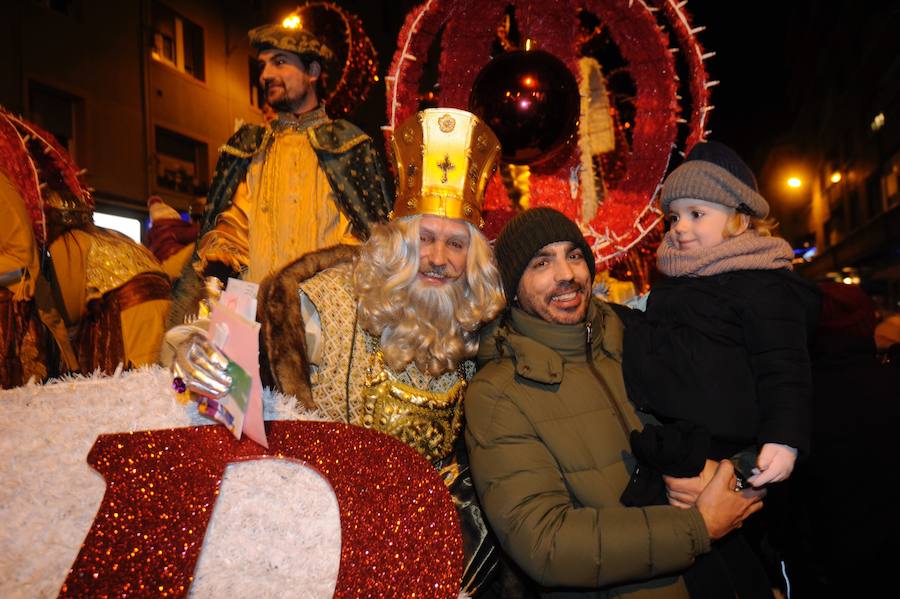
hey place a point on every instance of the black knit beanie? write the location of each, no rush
(524, 235)
(715, 173)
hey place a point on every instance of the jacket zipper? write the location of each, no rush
(589, 348)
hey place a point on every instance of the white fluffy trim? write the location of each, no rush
(49, 495)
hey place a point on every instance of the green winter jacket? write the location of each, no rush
(548, 442)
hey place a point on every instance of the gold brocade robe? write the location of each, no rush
(89, 265)
(350, 382)
(284, 208)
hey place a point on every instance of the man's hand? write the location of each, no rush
(683, 492)
(202, 367)
(724, 509)
(775, 463)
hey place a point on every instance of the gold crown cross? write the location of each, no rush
(446, 166)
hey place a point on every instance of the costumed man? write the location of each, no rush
(115, 294)
(34, 342)
(382, 335)
(101, 298)
(300, 183)
(171, 239)
(23, 337)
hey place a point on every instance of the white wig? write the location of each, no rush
(436, 328)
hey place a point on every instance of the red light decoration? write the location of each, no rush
(641, 31)
(356, 60)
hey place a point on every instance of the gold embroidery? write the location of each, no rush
(426, 411)
(449, 171)
(446, 123)
(114, 260)
(351, 143)
(233, 151)
(429, 421)
(339, 372)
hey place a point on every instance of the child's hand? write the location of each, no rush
(775, 463)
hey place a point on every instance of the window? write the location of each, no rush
(177, 42)
(891, 182)
(181, 163)
(257, 94)
(130, 227)
(853, 211)
(57, 112)
(834, 229)
(873, 196)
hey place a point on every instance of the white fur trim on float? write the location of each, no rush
(50, 495)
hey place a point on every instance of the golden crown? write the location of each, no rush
(444, 158)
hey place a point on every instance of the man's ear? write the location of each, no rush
(314, 70)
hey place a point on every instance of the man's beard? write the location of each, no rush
(429, 323)
(432, 302)
(285, 103)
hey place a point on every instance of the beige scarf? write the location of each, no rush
(747, 251)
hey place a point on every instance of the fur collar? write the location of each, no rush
(283, 364)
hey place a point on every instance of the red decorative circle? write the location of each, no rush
(639, 30)
(356, 59)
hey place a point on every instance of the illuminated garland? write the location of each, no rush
(360, 68)
(680, 23)
(639, 31)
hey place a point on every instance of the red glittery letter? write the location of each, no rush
(161, 488)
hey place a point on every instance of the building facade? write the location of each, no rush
(849, 128)
(141, 92)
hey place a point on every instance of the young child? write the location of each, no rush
(723, 341)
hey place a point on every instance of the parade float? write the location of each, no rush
(115, 487)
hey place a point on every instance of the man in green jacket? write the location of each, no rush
(548, 425)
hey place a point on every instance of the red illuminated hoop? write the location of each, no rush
(641, 30)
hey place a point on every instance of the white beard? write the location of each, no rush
(428, 321)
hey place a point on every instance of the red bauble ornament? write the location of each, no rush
(530, 100)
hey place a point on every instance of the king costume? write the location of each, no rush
(74, 296)
(295, 185)
(317, 350)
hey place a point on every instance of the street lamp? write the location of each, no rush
(794, 182)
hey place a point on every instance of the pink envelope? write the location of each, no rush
(242, 346)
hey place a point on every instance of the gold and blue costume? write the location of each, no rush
(281, 190)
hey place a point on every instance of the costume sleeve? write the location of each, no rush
(553, 539)
(18, 250)
(775, 332)
(69, 253)
(229, 241)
